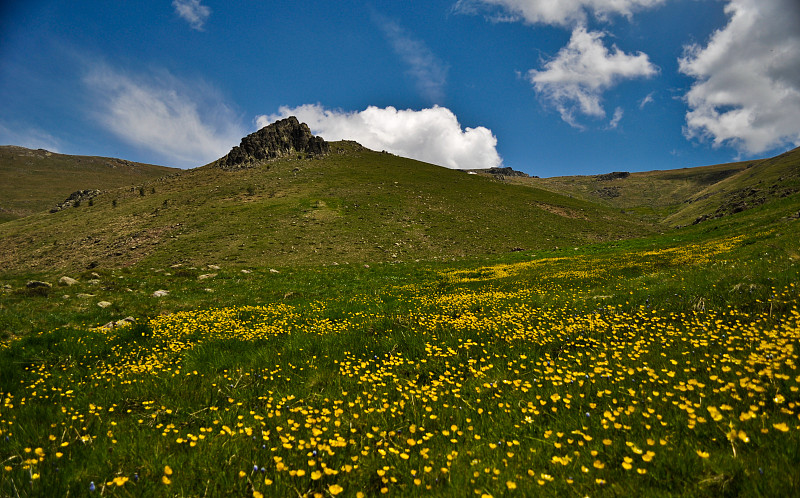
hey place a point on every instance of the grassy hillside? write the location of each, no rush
(652, 195)
(32, 181)
(657, 366)
(605, 359)
(679, 197)
(761, 182)
(352, 206)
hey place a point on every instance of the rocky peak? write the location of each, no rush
(280, 139)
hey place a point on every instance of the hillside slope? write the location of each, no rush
(36, 180)
(352, 205)
(759, 183)
(684, 196)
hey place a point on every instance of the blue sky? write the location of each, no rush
(549, 88)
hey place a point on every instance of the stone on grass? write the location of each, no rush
(119, 323)
(160, 293)
(68, 281)
(38, 284)
(207, 275)
(104, 304)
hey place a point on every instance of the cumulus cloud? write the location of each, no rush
(429, 73)
(575, 79)
(432, 135)
(186, 123)
(567, 13)
(747, 78)
(192, 12)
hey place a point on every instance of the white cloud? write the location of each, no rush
(427, 70)
(567, 13)
(647, 100)
(187, 124)
(747, 88)
(575, 79)
(26, 136)
(618, 113)
(432, 135)
(192, 12)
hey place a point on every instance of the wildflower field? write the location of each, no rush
(637, 369)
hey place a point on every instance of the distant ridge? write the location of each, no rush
(280, 139)
(35, 180)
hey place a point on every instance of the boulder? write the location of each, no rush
(38, 284)
(68, 281)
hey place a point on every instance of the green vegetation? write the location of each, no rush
(353, 206)
(655, 366)
(605, 359)
(36, 180)
(683, 196)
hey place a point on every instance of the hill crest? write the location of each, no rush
(282, 138)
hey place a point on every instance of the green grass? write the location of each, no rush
(682, 196)
(657, 366)
(360, 324)
(353, 206)
(33, 181)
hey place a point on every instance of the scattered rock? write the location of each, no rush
(616, 175)
(207, 275)
(208, 290)
(104, 304)
(75, 199)
(280, 139)
(94, 281)
(214, 267)
(68, 281)
(160, 293)
(95, 274)
(247, 271)
(38, 284)
(273, 270)
(84, 296)
(607, 192)
(128, 320)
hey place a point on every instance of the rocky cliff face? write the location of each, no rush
(279, 139)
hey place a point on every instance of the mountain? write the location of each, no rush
(684, 196)
(758, 183)
(37, 180)
(340, 203)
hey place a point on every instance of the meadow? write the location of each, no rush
(652, 367)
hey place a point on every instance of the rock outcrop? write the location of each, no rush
(75, 199)
(616, 175)
(282, 138)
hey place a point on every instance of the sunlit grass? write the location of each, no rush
(554, 375)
